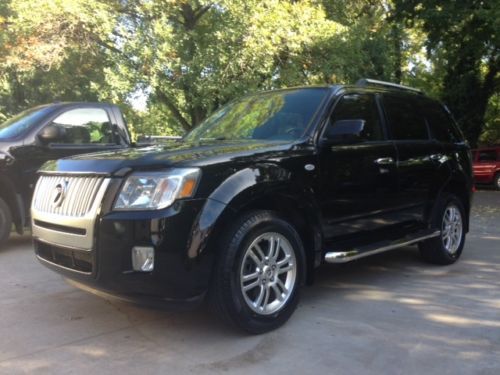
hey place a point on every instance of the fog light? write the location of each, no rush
(143, 258)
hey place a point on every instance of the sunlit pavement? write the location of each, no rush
(389, 314)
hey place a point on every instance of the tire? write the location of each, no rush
(260, 303)
(496, 181)
(449, 218)
(5, 222)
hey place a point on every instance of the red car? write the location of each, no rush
(486, 163)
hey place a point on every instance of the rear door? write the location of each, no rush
(418, 155)
(358, 180)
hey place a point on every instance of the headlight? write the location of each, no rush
(157, 190)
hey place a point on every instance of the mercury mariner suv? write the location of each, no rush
(242, 210)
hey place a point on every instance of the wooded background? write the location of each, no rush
(185, 58)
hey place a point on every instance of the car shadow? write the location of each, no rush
(16, 241)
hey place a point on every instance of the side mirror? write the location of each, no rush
(51, 133)
(344, 131)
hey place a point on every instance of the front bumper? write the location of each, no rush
(180, 274)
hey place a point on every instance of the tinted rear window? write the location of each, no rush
(405, 119)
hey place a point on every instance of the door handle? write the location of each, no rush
(384, 161)
(435, 157)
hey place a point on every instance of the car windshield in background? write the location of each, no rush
(280, 115)
(22, 122)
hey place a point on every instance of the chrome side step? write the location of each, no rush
(353, 254)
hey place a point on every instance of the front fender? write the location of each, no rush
(251, 181)
(247, 186)
(243, 184)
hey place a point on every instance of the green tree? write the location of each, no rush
(195, 55)
(49, 51)
(491, 133)
(463, 44)
(373, 47)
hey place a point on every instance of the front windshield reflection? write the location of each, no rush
(22, 122)
(278, 115)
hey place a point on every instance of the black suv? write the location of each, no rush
(247, 205)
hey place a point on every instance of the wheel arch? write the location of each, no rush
(270, 188)
(458, 185)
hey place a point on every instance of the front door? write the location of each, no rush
(358, 180)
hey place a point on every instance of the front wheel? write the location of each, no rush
(258, 272)
(5, 222)
(496, 181)
(449, 218)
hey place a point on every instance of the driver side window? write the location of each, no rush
(359, 107)
(85, 126)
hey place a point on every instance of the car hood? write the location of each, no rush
(177, 154)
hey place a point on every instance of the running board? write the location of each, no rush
(380, 247)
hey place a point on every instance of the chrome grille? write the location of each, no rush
(67, 221)
(80, 193)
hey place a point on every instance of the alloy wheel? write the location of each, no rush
(268, 273)
(452, 228)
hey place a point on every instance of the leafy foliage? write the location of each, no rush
(464, 43)
(49, 53)
(186, 58)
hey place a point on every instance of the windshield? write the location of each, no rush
(278, 115)
(21, 123)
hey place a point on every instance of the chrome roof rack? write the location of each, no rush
(374, 82)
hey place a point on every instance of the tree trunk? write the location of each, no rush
(467, 95)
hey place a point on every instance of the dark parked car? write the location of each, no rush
(45, 133)
(247, 205)
(486, 166)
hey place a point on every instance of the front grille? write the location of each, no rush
(79, 194)
(76, 260)
(65, 209)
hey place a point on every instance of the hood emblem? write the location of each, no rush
(59, 194)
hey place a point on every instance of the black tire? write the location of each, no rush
(496, 181)
(434, 250)
(5, 222)
(227, 298)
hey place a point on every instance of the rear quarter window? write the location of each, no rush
(441, 125)
(405, 120)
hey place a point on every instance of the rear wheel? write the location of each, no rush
(450, 220)
(5, 222)
(258, 273)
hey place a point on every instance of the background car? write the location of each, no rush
(486, 164)
(44, 133)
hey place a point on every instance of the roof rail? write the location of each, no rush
(374, 82)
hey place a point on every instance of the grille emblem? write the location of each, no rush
(59, 194)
